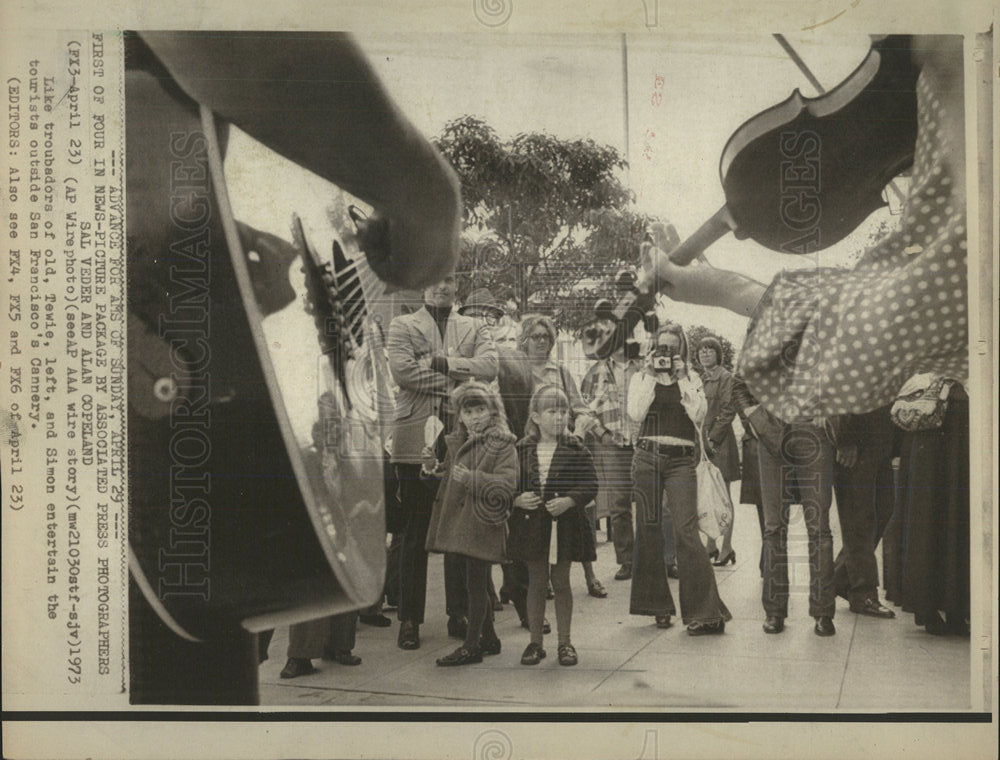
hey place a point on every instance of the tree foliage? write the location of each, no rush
(547, 222)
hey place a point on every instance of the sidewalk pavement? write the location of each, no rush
(626, 662)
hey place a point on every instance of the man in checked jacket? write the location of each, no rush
(603, 388)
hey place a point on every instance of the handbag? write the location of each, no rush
(922, 402)
(715, 507)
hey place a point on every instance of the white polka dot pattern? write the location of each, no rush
(831, 341)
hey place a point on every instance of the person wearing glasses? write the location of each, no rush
(538, 338)
(669, 404)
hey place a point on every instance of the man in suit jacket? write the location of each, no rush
(430, 351)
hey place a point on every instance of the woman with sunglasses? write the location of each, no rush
(538, 338)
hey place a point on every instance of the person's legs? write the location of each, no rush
(667, 537)
(760, 523)
(650, 592)
(340, 639)
(559, 574)
(392, 563)
(809, 451)
(305, 642)
(477, 575)
(614, 467)
(456, 596)
(515, 586)
(855, 572)
(538, 583)
(417, 503)
(619, 487)
(774, 595)
(700, 601)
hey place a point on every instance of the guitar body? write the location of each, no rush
(238, 521)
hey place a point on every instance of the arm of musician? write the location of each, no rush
(406, 370)
(482, 365)
(317, 101)
(698, 282)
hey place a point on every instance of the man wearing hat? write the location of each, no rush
(430, 352)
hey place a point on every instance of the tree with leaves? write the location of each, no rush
(547, 220)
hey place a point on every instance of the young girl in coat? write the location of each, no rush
(549, 529)
(469, 517)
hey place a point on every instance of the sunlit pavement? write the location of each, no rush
(871, 665)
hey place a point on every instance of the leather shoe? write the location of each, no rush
(824, 626)
(461, 656)
(409, 635)
(458, 626)
(698, 628)
(672, 570)
(533, 654)
(596, 588)
(774, 624)
(663, 621)
(872, 608)
(378, 620)
(297, 666)
(343, 656)
(489, 645)
(624, 572)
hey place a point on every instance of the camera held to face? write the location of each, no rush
(662, 362)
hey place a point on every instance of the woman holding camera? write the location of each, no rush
(669, 404)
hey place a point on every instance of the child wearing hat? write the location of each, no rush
(469, 517)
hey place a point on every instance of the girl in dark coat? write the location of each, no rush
(557, 480)
(469, 516)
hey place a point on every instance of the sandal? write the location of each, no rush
(663, 621)
(567, 655)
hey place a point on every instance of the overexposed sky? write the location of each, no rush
(573, 86)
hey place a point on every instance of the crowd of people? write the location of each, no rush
(498, 458)
(849, 387)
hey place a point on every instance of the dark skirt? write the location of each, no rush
(926, 547)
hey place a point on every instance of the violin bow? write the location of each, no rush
(807, 73)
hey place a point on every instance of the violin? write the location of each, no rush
(799, 176)
(803, 174)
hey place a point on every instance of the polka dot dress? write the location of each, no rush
(832, 341)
